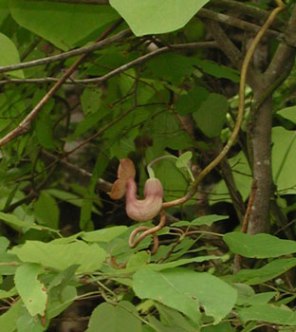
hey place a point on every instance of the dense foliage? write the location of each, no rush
(199, 96)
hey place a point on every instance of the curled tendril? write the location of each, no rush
(135, 238)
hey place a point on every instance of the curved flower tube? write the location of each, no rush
(137, 209)
(147, 208)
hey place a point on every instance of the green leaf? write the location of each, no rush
(284, 159)
(173, 180)
(242, 177)
(104, 235)
(6, 294)
(222, 327)
(180, 262)
(288, 113)
(173, 320)
(203, 220)
(31, 290)
(91, 100)
(115, 318)
(16, 223)
(265, 273)
(44, 130)
(59, 299)
(161, 67)
(46, 210)
(258, 245)
(4, 11)
(64, 25)
(211, 115)
(4, 243)
(9, 55)
(152, 16)
(218, 70)
(247, 296)
(191, 102)
(269, 314)
(26, 323)
(89, 257)
(186, 291)
(184, 159)
(66, 196)
(9, 318)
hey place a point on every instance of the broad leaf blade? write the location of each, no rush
(62, 24)
(154, 16)
(186, 291)
(31, 290)
(258, 245)
(89, 257)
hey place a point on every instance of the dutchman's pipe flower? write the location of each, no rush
(137, 209)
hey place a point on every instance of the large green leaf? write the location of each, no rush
(186, 291)
(115, 318)
(62, 24)
(153, 16)
(31, 290)
(269, 314)
(89, 257)
(9, 55)
(258, 245)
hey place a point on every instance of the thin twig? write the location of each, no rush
(236, 22)
(120, 69)
(63, 56)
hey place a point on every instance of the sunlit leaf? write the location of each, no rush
(31, 290)
(186, 291)
(62, 24)
(258, 245)
(151, 16)
(89, 257)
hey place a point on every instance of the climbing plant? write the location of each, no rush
(147, 165)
